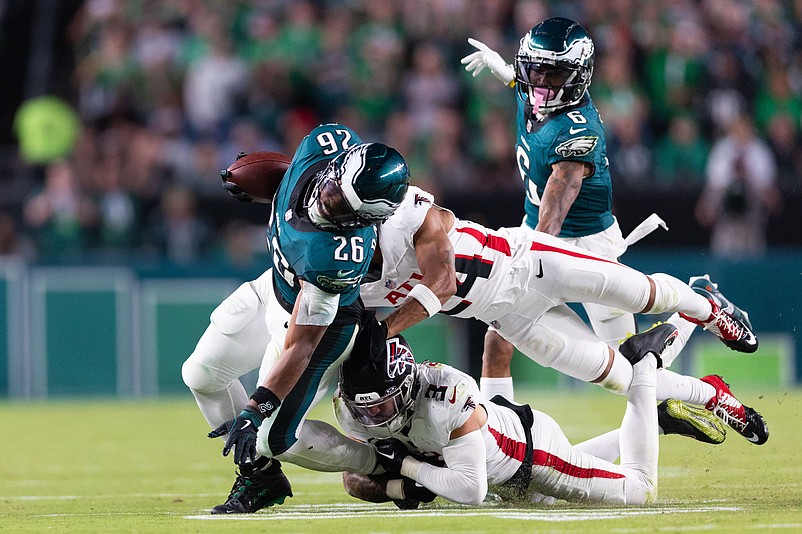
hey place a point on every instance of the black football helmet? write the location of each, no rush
(362, 186)
(554, 65)
(379, 388)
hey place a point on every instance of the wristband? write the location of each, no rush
(410, 467)
(427, 299)
(266, 401)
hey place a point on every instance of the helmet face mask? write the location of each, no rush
(362, 186)
(554, 65)
(379, 390)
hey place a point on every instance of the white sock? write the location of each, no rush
(690, 389)
(685, 329)
(490, 387)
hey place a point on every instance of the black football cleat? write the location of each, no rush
(255, 489)
(654, 340)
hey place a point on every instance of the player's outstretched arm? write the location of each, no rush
(435, 257)
(487, 57)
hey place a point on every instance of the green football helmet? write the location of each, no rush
(553, 66)
(362, 186)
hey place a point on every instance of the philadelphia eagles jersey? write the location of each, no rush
(576, 134)
(334, 261)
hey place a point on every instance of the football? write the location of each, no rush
(255, 176)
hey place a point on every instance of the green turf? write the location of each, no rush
(145, 466)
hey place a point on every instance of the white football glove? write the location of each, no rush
(486, 57)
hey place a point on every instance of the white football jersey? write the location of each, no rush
(484, 261)
(446, 399)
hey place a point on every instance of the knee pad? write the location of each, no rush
(543, 346)
(237, 311)
(198, 377)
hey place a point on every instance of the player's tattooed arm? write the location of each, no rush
(561, 191)
(365, 487)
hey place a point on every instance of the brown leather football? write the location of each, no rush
(257, 174)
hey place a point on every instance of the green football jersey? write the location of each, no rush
(333, 260)
(576, 134)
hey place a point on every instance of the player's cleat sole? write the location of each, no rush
(727, 321)
(676, 417)
(256, 490)
(654, 340)
(743, 419)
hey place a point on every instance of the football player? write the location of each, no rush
(517, 281)
(561, 151)
(321, 237)
(435, 436)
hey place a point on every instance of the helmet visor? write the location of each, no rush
(374, 411)
(540, 74)
(328, 205)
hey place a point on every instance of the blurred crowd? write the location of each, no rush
(169, 91)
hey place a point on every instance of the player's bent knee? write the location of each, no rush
(198, 377)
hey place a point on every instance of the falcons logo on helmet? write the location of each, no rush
(398, 358)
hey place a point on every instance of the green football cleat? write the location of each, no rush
(676, 417)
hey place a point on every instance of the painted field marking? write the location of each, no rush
(323, 512)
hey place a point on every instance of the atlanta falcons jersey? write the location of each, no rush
(483, 259)
(334, 261)
(445, 400)
(576, 134)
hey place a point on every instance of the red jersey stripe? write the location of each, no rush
(547, 459)
(510, 447)
(493, 242)
(548, 248)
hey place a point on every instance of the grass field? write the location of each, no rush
(145, 466)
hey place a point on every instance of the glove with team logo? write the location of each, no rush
(390, 454)
(487, 57)
(242, 430)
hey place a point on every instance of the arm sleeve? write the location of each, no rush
(465, 479)
(316, 307)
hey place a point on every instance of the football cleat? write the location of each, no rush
(654, 340)
(675, 417)
(708, 289)
(745, 420)
(727, 321)
(255, 489)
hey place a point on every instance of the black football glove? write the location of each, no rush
(241, 432)
(414, 494)
(233, 189)
(372, 336)
(390, 454)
